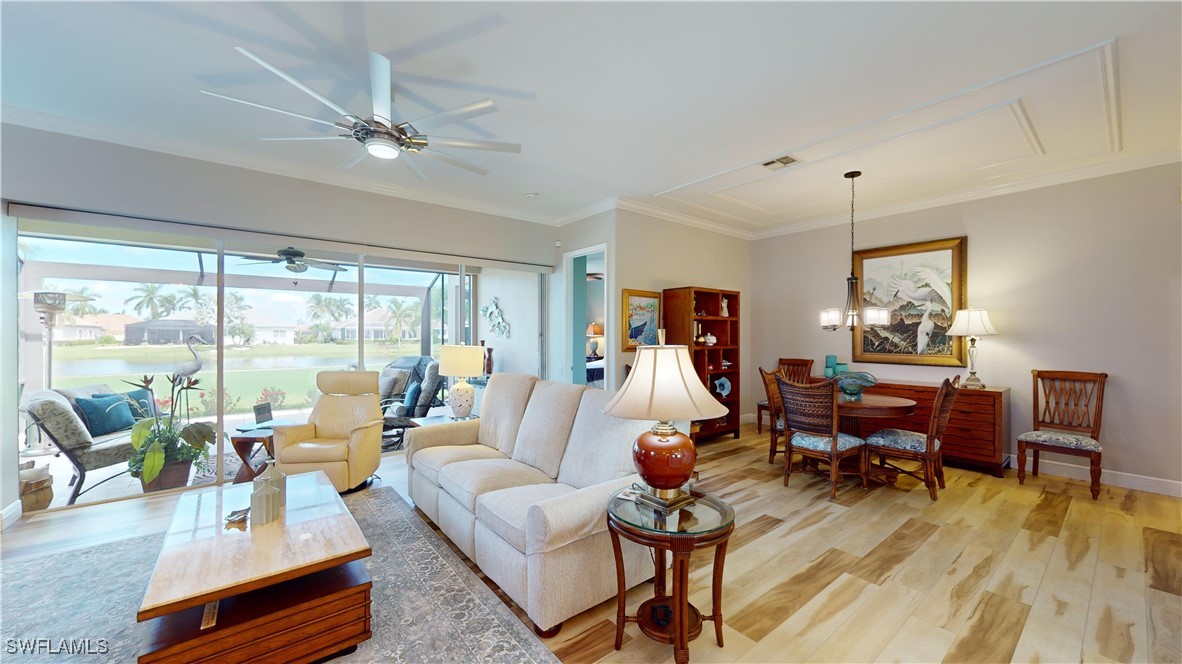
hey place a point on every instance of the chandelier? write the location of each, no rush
(853, 313)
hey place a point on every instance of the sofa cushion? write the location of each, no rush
(504, 511)
(468, 480)
(314, 450)
(600, 446)
(106, 451)
(501, 409)
(546, 425)
(430, 461)
(57, 417)
(106, 413)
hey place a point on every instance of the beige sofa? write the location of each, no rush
(523, 492)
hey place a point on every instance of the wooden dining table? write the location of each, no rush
(872, 405)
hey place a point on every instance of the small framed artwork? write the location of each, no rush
(922, 284)
(641, 316)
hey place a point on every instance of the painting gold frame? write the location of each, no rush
(632, 302)
(923, 276)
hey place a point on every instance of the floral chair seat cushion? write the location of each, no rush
(1061, 439)
(824, 443)
(900, 439)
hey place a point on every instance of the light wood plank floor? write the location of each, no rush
(991, 572)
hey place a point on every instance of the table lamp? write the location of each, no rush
(594, 331)
(461, 362)
(664, 386)
(972, 323)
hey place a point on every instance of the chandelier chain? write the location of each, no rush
(851, 226)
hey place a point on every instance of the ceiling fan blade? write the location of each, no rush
(454, 161)
(322, 265)
(457, 114)
(352, 161)
(270, 108)
(379, 86)
(291, 79)
(473, 144)
(306, 138)
(277, 260)
(409, 160)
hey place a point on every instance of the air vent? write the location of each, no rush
(777, 164)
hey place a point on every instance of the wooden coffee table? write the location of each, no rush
(294, 589)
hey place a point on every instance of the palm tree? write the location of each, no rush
(319, 309)
(168, 305)
(373, 302)
(146, 297)
(84, 308)
(195, 299)
(340, 308)
(402, 312)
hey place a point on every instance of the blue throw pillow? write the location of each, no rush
(412, 397)
(140, 403)
(106, 413)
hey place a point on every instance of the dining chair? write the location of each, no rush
(810, 429)
(916, 446)
(1067, 421)
(775, 410)
(797, 370)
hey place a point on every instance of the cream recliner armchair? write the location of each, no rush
(343, 436)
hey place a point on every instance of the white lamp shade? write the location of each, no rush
(876, 316)
(831, 318)
(971, 323)
(461, 361)
(594, 330)
(663, 386)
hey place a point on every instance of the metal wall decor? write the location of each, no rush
(496, 320)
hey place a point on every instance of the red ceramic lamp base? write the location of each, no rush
(665, 461)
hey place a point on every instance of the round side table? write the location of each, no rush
(670, 618)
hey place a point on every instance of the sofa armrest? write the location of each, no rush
(556, 522)
(452, 433)
(291, 434)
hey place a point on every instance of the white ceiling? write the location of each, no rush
(665, 108)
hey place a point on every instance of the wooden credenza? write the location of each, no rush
(977, 429)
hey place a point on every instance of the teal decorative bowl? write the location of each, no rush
(851, 384)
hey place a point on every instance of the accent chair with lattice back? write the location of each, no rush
(797, 370)
(775, 410)
(916, 446)
(1067, 410)
(810, 429)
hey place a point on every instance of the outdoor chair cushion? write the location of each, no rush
(57, 417)
(824, 443)
(106, 451)
(392, 382)
(1061, 439)
(900, 439)
(106, 413)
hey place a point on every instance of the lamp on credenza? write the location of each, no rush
(461, 362)
(594, 332)
(972, 323)
(664, 386)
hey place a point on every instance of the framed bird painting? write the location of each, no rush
(922, 284)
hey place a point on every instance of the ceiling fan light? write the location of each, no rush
(297, 267)
(381, 147)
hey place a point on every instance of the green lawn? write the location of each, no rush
(246, 384)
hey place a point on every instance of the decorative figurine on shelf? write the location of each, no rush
(710, 339)
(700, 339)
(725, 312)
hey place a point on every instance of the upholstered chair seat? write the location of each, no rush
(810, 441)
(900, 439)
(343, 436)
(1062, 439)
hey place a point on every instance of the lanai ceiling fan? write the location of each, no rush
(381, 135)
(295, 261)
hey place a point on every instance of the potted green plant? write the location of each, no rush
(167, 445)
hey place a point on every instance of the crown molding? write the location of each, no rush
(629, 205)
(82, 129)
(605, 205)
(1039, 182)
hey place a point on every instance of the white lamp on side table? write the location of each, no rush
(972, 323)
(461, 362)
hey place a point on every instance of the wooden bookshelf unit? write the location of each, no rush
(690, 312)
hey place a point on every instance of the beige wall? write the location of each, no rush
(54, 170)
(653, 254)
(1082, 276)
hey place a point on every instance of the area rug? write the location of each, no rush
(427, 605)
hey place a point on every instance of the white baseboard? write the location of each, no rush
(747, 418)
(1112, 477)
(10, 514)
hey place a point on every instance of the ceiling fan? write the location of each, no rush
(296, 262)
(380, 134)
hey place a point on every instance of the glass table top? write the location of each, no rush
(707, 514)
